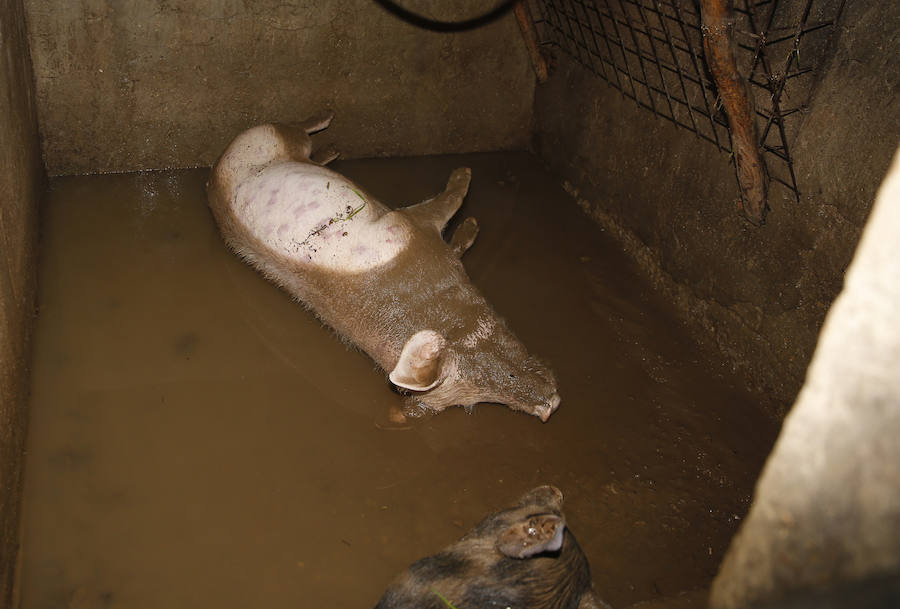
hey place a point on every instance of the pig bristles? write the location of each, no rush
(443, 598)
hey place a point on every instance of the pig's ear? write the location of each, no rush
(536, 534)
(419, 368)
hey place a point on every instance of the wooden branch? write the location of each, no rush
(526, 25)
(718, 27)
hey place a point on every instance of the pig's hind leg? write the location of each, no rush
(438, 210)
(464, 236)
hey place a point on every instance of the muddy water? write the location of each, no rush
(199, 440)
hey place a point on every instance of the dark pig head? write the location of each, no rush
(520, 557)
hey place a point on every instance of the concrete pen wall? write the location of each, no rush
(20, 181)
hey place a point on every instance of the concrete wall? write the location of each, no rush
(20, 178)
(827, 506)
(759, 293)
(134, 85)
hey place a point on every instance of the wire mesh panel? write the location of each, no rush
(652, 51)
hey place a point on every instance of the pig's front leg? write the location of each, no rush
(295, 137)
(323, 157)
(589, 600)
(316, 123)
(464, 236)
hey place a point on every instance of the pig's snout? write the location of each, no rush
(545, 410)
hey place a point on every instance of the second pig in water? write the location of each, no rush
(383, 279)
(522, 557)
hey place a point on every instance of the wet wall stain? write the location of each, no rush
(207, 442)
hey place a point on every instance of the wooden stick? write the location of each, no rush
(526, 25)
(718, 27)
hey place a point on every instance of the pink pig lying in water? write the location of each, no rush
(383, 279)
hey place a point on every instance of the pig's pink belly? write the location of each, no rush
(316, 216)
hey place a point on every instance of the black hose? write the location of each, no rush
(446, 26)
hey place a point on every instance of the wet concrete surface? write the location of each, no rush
(198, 439)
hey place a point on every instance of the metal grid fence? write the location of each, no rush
(652, 51)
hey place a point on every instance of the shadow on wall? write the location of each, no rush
(824, 526)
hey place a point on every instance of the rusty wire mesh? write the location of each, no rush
(652, 51)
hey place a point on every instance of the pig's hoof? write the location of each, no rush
(325, 156)
(464, 236)
(459, 179)
(395, 421)
(318, 122)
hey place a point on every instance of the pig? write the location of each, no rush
(522, 557)
(385, 280)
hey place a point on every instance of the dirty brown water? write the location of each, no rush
(197, 439)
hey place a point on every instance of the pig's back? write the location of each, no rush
(314, 216)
